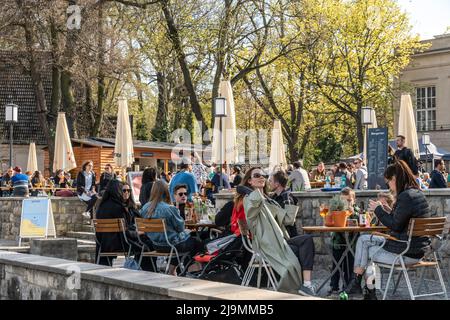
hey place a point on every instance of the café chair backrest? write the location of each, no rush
(427, 227)
(150, 225)
(109, 225)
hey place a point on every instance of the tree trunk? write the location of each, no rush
(100, 75)
(160, 131)
(181, 57)
(223, 34)
(56, 77)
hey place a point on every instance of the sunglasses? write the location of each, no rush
(182, 194)
(126, 190)
(259, 175)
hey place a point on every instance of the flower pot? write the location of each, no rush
(329, 221)
(340, 218)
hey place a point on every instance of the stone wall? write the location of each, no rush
(308, 215)
(67, 213)
(29, 277)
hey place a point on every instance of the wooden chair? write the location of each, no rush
(111, 226)
(425, 227)
(257, 261)
(157, 226)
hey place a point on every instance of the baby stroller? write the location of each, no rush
(223, 265)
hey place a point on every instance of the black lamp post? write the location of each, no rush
(11, 117)
(426, 142)
(220, 111)
(366, 119)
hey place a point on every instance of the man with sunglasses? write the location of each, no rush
(180, 195)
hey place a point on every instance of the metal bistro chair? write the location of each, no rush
(157, 226)
(257, 261)
(425, 227)
(111, 226)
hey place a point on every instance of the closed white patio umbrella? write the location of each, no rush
(407, 124)
(229, 146)
(277, 150)
(123, 149)
(64, 157)
(32, 158)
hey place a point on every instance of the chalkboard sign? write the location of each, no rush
(377, 156)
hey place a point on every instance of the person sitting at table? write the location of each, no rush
(159, 207)
(318, 174)
(338, 244)
(20, 183)
(410, 203)
(6, 182)
(180, 195)
(282, 196)
(69, 179)
(237, 178)
(60, 182)
(112, 206)
(292, 258)
(86, 187)
(38, 181)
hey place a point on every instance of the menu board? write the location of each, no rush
(377, 157)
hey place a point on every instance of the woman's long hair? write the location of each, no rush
(129, 203)
(113, 192)
(160, 193)
(149, 175)
(83, 167)
(403, 176)
(245, 182)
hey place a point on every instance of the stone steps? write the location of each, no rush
(87, 228)
(81, 235)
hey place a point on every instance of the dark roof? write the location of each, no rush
(16, 87)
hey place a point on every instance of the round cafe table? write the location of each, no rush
(322, 230)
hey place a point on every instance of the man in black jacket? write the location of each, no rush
(437, 178)
(405, 154)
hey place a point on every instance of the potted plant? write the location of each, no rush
(338, 213)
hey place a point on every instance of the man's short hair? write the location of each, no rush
(281, 178)
(342, 165)
(298, 164)
(178, 187)
(437, 162)
(401, 137)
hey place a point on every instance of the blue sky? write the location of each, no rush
(429, 17)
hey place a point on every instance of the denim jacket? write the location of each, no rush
(174, 224)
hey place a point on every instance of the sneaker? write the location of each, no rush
(332, 292)
(307, 290)
(370, 294)
(353, 287)
(86, 215)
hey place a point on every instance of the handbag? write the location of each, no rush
(132, 264)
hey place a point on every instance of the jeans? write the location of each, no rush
(368, 247)
(192, 245)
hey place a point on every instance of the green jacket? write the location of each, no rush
(265, 220)
(338, 239)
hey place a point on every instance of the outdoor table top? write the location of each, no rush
(40, 188)
(343, 229)
(191, 225)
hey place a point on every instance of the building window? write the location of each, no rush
(426, 109)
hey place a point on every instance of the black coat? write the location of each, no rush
(81, 183)
(144, 194)
(437, 180)
(282, 199)
(407, 155)
(113, 209)
(223, 217)
(411, 203)
(106, 177)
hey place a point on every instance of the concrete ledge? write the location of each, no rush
(24, 276)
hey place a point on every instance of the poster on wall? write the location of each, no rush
(135, 180)
(36, 220)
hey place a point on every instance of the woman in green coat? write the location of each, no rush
(265, 220)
